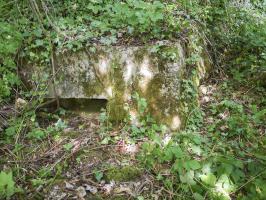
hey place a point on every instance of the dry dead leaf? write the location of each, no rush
(123, 189)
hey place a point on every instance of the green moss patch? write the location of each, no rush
(123, 174)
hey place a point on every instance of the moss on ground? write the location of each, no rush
(123, 174)
(93, 197)
(119, 198)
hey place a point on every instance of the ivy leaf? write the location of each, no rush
(60, 124)
(98, 175)
(237, 175)
(10, 131)
(157, 139)
(39, 42)
(36, 134)
(68, 146)
(38, 32)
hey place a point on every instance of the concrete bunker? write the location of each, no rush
(110, 76)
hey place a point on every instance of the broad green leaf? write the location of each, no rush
(39, 42)
(196, 150)
(168, 154)
(209, 179)
(225, 183)
(188, 178)
(178, 166)
(177, 151)
(194, 164)
(105, 140)
(197, 196)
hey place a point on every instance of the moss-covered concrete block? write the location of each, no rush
(116, 73)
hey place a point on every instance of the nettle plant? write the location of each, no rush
(10, 41)
(7, 185)
(184, 164)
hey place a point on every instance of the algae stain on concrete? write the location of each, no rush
(115, 106)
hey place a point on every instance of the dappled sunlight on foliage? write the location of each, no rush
(48, 152)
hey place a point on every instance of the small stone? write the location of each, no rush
(91, 189)
(131, 149)
(81, 192)
(68, 130)
(166, 140)
(107, 188)
(69, 186)
(224, 115)
(20, 103)
(205, 99)
(68, 175)
(203, 89)
(210, 120)
(123, 189)
(223, 128)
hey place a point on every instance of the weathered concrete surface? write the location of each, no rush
(117, 73)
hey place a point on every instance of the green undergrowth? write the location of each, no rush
(219, 154)
(223, 158)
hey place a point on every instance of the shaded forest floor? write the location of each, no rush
(78, 162)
